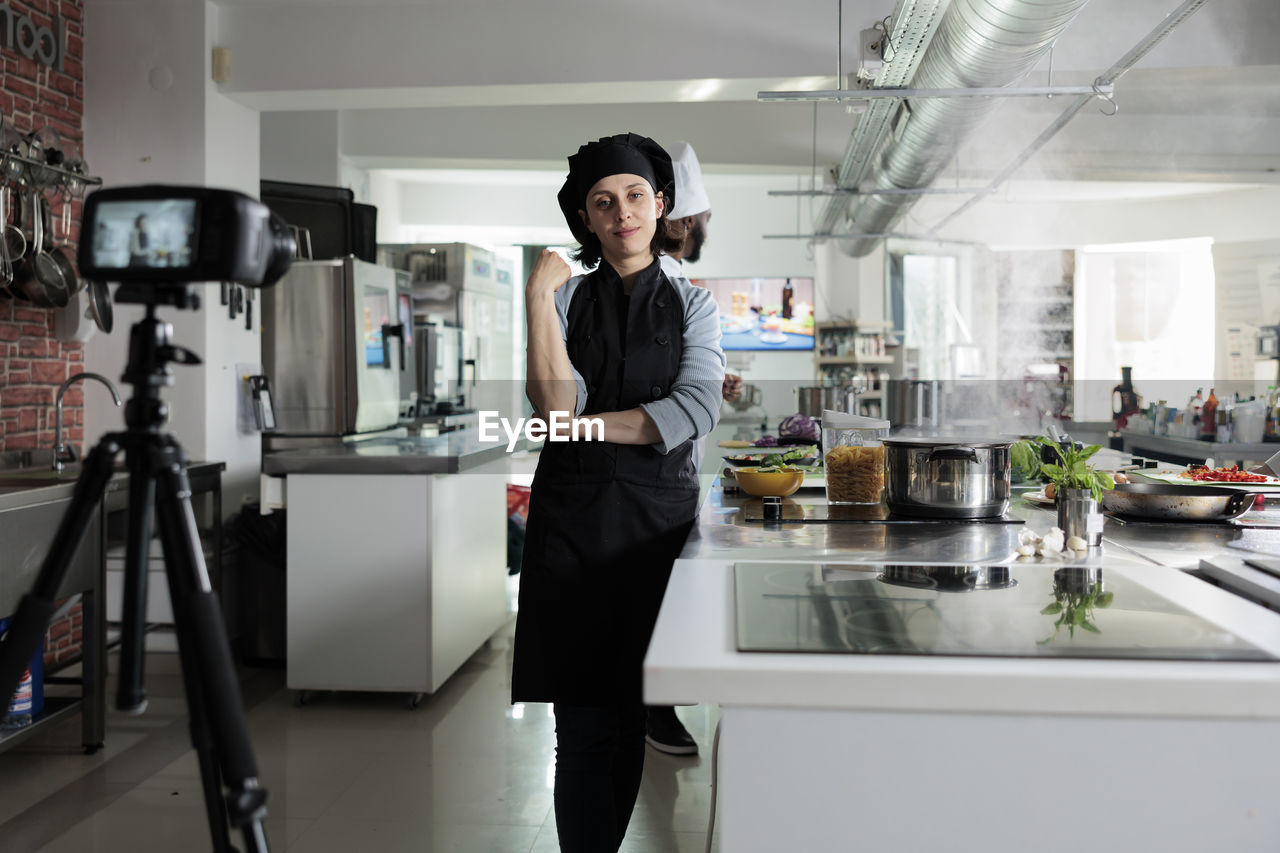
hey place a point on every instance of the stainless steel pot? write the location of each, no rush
(947, 478)
(812, 400)
(913, 403)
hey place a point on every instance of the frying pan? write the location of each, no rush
(1171, 502)
(100, 306)
(71, 280)
(39, 278)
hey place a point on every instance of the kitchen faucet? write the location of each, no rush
(59, 449)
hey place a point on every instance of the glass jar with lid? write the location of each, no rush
(853, 457)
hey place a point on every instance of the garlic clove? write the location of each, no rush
(1075, 543)
(1026, 550)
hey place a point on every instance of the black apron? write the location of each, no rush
(606, 521)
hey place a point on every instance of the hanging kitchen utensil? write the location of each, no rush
(6, 263)
(40, 278)
(70, 278)
(100, 306)
(13, 245)
(14, 237)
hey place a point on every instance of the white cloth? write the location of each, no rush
(691, 195)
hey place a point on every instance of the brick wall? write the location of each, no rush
(33, 362)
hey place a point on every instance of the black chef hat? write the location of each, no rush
(623, 154)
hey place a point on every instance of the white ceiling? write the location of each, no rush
(515, 84)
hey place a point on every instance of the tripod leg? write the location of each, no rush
(208, 672)
(131, 696)
(201, 737)
(28, 626)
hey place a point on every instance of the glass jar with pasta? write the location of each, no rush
(853, 457)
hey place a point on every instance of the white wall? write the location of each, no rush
(300, 147)
(153, 116)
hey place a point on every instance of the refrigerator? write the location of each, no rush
(468, 288)
(334, 349)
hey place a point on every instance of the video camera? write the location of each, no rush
(159, 233)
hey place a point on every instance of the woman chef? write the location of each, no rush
(639, 350)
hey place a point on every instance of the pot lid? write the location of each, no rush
(843, 420)
(949, 441)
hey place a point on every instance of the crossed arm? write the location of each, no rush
(550, 383)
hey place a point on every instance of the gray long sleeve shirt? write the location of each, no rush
(692, 408)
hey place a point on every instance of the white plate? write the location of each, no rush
(1170, 475)
(1039, 498)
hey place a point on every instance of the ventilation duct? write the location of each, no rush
(978, 43)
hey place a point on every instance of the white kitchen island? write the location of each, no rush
(397, 560)
(904, 753)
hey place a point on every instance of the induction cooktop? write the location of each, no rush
(970, 610)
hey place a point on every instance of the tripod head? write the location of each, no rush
(151, 350)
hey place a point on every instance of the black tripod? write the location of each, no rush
(157, 468)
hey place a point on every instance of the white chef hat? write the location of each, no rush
(691, 195)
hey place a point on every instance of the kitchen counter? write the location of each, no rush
(1171, 754)
(27, 487)
(450, 453)
(388, 550)
(1180, 449)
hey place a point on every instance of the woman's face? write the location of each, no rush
(623, 210)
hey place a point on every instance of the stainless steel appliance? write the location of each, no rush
(410, 387)
(947, 479)
(471, 289)
(333, 348)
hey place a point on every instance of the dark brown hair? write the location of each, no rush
(668, 237)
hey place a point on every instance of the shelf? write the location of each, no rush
(824, 360)
(852, 325)
(55, 708)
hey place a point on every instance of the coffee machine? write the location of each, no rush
(442, 369)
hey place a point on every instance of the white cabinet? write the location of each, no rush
(394, 580)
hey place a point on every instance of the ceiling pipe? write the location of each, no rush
(978, 43)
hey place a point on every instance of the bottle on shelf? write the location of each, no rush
(1209, 418)
(1270, 432)
(788, 294)
(1191, 418)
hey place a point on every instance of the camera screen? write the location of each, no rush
(144, 234)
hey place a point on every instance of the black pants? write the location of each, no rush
(599, 761)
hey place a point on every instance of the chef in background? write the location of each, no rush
(691, 211)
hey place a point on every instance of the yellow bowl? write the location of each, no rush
(768, 483)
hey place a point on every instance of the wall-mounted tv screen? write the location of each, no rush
(763, 313)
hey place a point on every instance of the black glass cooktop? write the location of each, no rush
(987, 611)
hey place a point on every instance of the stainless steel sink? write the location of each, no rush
(28, 478)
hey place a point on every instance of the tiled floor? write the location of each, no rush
(465, 771)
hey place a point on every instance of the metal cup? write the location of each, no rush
(1078, 515)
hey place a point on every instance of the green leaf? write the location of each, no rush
(1089, 451)
(1107, 481)
(1105, 599)
(1079, 470)
(1089, 626)
(1053, 472)
(1078, 616)
(1050, 609)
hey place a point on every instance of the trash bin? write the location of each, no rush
(261, 598)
